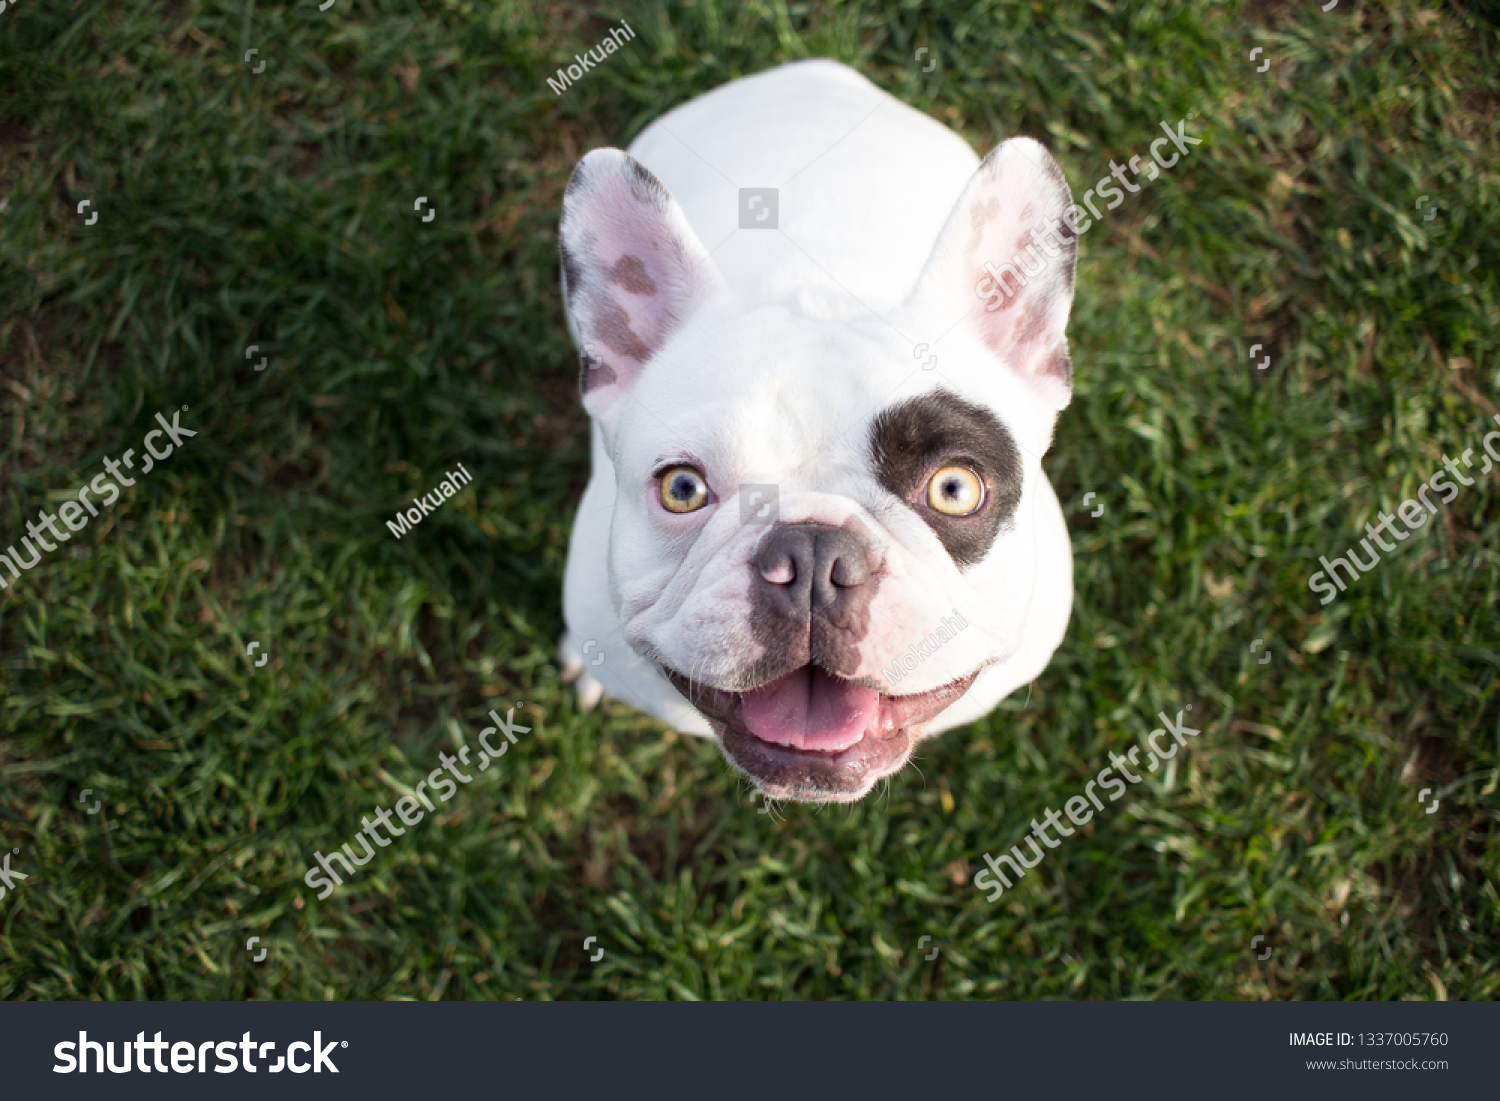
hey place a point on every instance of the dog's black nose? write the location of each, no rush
(809, 570)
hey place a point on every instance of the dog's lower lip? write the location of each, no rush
(723, 706)
(787, 772)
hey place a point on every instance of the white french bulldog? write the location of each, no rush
(817, 528)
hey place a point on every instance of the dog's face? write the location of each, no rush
(820, 541)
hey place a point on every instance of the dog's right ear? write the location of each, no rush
(633, 270)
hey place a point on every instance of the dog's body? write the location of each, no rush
(799, 361)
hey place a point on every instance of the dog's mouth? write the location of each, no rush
(812, 736)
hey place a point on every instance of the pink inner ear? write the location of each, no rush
(1029, 337)
(1027, 328)
(1021, 268)
(630, 257)
(1006, 259)
(627, 302)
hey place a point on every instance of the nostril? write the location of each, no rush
(781, 572)
(850, 570)
(816, 557)
(785, 557)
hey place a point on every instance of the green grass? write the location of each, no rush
(271, 209)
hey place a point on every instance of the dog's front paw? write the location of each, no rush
(590, 692)
(570, 660)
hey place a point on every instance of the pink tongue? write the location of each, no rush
(808, 709)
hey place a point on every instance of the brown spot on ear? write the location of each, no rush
(1027, 212)
(1013, 289)
(980, 215)
(1032, 325)
(1008, 287)
(593, 372)
(612, 328)
(630, 273)
(1060, 365)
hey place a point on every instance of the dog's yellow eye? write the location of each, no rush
(955, 491)
(682, 489)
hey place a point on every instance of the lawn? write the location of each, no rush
(165, 793)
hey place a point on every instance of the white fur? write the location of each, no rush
(788, 342)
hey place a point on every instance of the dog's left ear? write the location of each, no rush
(1006, 259)
(632, 270)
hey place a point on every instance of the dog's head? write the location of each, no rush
(820, 539)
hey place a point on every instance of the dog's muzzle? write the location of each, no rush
(804, 728)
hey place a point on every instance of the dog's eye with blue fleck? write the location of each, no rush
(955, 491)
(682, 489)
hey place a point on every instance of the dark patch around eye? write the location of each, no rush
(912, 440)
